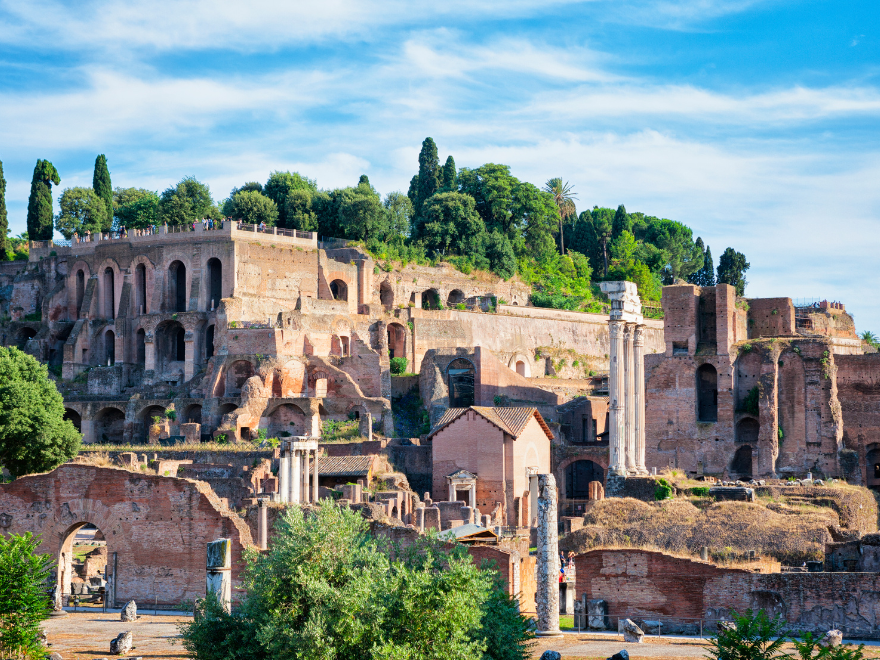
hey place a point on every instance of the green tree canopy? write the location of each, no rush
(355, 213)
(622, 222)
(23, 598)
(279, 187)
(448, 176)
(4, 220)
(135, 208)
(327, 589)
(34, 436)
(103, 189)
(187, 202)
(40, 215)
(81, 210)
(451, 225)
(252, 207)
(732, 269)
(398, 212)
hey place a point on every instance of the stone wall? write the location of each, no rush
(858, 383)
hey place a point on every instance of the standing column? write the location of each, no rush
(284, 474)
(315, 478)
(615, 395)
(639, 403)
(262, 523)
(628, 400)
(547, 595)
(296, 486)
(219, 571)
(305, 485)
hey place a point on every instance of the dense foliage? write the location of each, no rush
(4, 220)
(188, 202)
(104, 190)
(732, 267)
(327, 589)
(135, 208)
(24, 601)
(82, 210)
(34, 436)
(39, 213)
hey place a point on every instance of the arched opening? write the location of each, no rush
(386, 295)
(170, 349)
(108, 293)
(578, 476)
(396, 340)
(239, 372)
(335, 345)
(193, 414)
(227, 408)
(286, 420)
(24, 336)
(339, 289)
(140, 347)
(140, 289)
(344, 344)
(742, 462)
(80, 291)
(521, 367)
(109, 348)
(318, 381)
(707, 394)
(430, 299)
(209, 341)
(456, 297)
(177, 287)
(82, 565)
(460, 381)
(215, 283)
(74, 418)
(872, 460)
(109, 426)
(151, 415)
(747, 431)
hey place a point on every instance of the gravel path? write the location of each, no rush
(86, 636)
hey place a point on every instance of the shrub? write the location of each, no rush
(700, 491)
(753, 637)
(663, 490)
(23, 599)
(398, 365)
(750, 405)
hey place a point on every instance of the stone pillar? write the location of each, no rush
(419, 521)
(617, 466)
(296, 481)
(432, 518)
(263, 523)
(473, 497)
(629, 417)
(284, 475)
(149, 352)
(451, 492)
(189, 355)
(219, 570)
(315, 478)
(639, 398)
(547, 594)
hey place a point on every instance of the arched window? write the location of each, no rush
(707, 394)
(141, 347)
(74, 418)
(140, 286)
(180, 344)
(430, 299)
(109, 348)
(742, 462)
(460, 380)
(521, 367)
(209, 342)
(339, 289)
(193, 414)
(456, 296)
(578, 476)
(80, 291)
(386, 295)
(215, 283)
(109, 294)
(177, 287)
(747, 431)
(109, 425)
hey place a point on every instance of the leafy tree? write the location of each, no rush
(327, 589)
(413, 190)
(17, 247)
(398, 211)
(250, 185)
(23, 598)
(103, 189)
(81, 210)
(40, 213)
(622, 222)
(732, 268)
(279, 187)
(298, 210)
(668, 247)
(4, 220)
(135, 208)
(252, 207)
(354, 213)
(428, 181)
(187, 202)
(563, 197)
(500, 254)
(448, 175)
(34, 436)
(452, 225)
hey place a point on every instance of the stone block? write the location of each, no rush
(432, 518)
(620, 655)
(129, 612)
(597, 614)
(192, 433)
(128, 459)
(831, 638)
(551, 655)
(220, 554)
(631, 632)
(122, 644)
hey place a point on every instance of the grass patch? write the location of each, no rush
(339, 431)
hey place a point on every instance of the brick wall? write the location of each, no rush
(771, 317)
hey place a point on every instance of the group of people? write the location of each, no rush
(565, 565)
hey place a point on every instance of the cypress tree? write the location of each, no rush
(4, 221)
(429, 171)
(448, 175)
(103, 189)
(39, 215)
(413, 192)
(696, 276)
(622, 222)
(708, 270)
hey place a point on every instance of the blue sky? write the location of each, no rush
(753, 122)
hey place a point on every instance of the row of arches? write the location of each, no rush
(175, 295)
(430, 298)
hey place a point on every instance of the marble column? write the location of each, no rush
(284, 475)
(639, 404)
(628, 400)
(262, 523)
(547, 594)
(296, 481)
(219, 571)
(315, 479)
(616, 432)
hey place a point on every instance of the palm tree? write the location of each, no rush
(564, 198)
(869, 338)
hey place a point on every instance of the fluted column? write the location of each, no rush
(628, 400)
(305, 484)
(296, 482)
(284, 475)
(315, 478)
(639, 403)
(616, 433)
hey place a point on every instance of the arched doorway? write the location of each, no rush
(140, 342)
(82, 568)
(74, 417)
(80, 291)
(396, 340)
(386, 295)
(286, 420)
(109, 348)
(742, 462)
(177, 287)
(108, 293)
(339, 290)
(578, 476)
(109, 426)
(148, 417)
(170, 345)
(193, 414)
(24, 336)
(460, 381)
(318, 382)
(456, 297)
(140, 287)
(430, 299)
(522, 368)
(747, 430)
(215, 283)
(707, 394)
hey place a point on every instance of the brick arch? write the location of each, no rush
(73, 311)
(117, 286)
(137, 514)
(143, 298)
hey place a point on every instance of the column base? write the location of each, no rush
(617, 472)
(549, 633)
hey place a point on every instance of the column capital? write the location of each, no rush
(616, 328)
(639, 335)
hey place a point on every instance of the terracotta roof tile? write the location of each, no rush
(512, 421)
(345, 466)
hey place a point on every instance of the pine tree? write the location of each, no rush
(622, 222)
(448, 176)
(429, 171)
(731, 270)
(101, 186)
(4, 221)
(39, 215)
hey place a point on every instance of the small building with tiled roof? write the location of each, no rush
(336, 471)
(497, 449)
